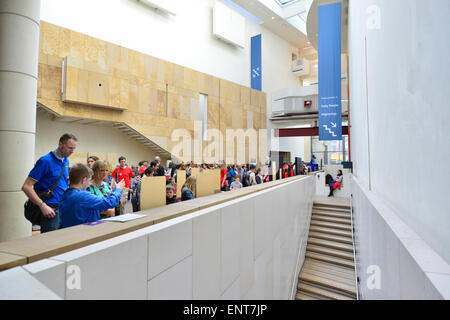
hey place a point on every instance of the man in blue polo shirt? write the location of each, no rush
(44, 174)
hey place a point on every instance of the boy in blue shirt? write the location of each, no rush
(78, 206)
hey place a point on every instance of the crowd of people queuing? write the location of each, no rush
(93, 191)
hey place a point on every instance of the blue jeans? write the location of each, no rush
(52, 223)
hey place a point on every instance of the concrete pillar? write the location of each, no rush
(19, 51)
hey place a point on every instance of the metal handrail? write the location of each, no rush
(354, 250)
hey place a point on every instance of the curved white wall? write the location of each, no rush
(406, 99)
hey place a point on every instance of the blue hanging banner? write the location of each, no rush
(256, 71)
(330, 109)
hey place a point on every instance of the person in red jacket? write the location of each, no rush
(285, 170)
(291, 169)
(123, 172)
(223, 177)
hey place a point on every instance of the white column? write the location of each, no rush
(19, 51)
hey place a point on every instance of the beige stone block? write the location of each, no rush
(42, 57)
(215, 87)
(153, 101)
(123, 61)
(97, 68)
(195, 111)
(102, 53)
(71, 89)
(77, 45)
(245, 95)
(78, 157)
(254, 98)
(134, 98)
(256, 120)
(178, 76)
(91, 47)
(98, 92)
(263, 121)
(161, 71)
(151, 68)
(144, 99)
(74, 62)
(213, 115)
(54, 61)
(161, 105)
(64, 43)
(234, 92)
(83, 85)
(51, 83)
(223, 84)
(114, 92)
(173, 107)
(112, 55)
(119, 73)
(185, 108)
(263, 102)
(50, 38)
(136, 63)
(191, 79)
(169, 73)
(124, 93)
(202, 86)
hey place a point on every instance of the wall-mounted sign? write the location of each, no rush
(256, 61)
(330, 112)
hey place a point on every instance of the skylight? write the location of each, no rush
(242, 11)
(284, 2)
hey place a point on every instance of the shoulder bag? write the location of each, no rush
(33, 212)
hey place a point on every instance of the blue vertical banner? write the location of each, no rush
(256, 70)
(330, 109)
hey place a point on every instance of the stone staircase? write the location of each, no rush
(328, 272)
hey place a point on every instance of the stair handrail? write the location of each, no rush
(354, 246)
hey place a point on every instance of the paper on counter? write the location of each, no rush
(125, 217)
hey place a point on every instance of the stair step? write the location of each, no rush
(331, 219)
(331, 209)
(330, 268)
(331, 231)
(331, 259)
(331, 244)
(308, 288)
(328, 283)
(329, 237)
(330, 276)
(330, 225)
(302, 296)
(331, 214)
(331, 205)
(331, 252)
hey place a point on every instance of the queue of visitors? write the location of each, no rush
(60, 198)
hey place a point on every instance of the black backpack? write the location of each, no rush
(246, 179)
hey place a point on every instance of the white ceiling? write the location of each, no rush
(275, 18)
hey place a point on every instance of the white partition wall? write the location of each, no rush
(393, 261)
(248, 248)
